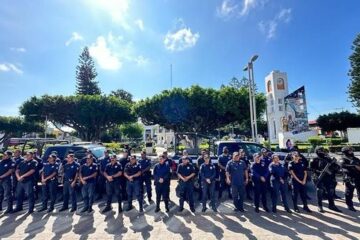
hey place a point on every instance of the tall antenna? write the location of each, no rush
(171, 80)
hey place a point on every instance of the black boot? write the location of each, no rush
(106, 209)
(334, 208)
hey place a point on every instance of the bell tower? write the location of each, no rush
(276, 85)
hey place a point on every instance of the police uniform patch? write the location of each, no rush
(90, 168)
(211, 167)
(5, 165)
(188, 168)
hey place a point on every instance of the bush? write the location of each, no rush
(334, 141)
(315, 141)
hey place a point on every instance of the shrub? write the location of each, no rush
(315, 141)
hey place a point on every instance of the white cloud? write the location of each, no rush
(140, 24)
(8, 67)
(234, 8)
(20, 49)
(112, 52)
(74, 37)
(181, 38)
(116, 9)
(104, 55)
(270, 27)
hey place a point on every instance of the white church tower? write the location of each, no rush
(276, 84)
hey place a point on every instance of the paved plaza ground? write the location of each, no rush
(150, 225)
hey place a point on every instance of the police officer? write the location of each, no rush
(223, 159)
(25, 176)
(260, 175)
(145, 164)
(248, 187)
(278, 176)
(351, 169)
(237, 177)
(71, 174)
(207, 176)
(17, 158)
(324, 169)
(84, 159)
(199, 162)
(123, 161)
(49, 183)
(132, 173)
(7, 167)
(185, 154)
(162, 174)
(298, 172)
(170, 163)
(186, 172)
(112, 174)
(88, 173)
(100, 183)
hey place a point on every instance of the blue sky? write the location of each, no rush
(207, 42)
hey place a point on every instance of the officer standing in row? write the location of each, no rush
(112, 173)
(123, 161)
(237, 177)
(145, 164)
(207, 176)
(17, 159)
(71, 174)
(223, 160)
(351, 167)
(133, 173)
(199, 162)
(278, 181)
(298, 172)
(7, 168)
(170, 163)
(88, 173)
(248, 187)
(162, 175)
(260, 175)
(25, 182)
(324, 169)
(100, 183)
(186, 172)
(49, 183)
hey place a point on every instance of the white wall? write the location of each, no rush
(353, 135)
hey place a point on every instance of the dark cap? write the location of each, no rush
(9, 153)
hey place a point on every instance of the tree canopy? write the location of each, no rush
(86, 74)
(354, 73)
(338, 121)
(89, 115)
(198, 109)
(122, 94)
(16, 127)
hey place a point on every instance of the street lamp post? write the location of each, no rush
(252, 101)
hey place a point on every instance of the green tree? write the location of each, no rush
(197, 109)
(16, 127)
(122, 94)
(86, 74)
(89, 115)
(236, 83)
(132, 130)
(354, 73)
(338, 121)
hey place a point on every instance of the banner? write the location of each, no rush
(295, 119)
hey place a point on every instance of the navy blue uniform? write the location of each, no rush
(17, 160)
(208, 171)
(236, 170)
(100, 183)
(145, 177)
(162, 171)
(70, 172)
(26, 185)
(133, 187)
(278, 172)
(123, 180)
(299, 170)
(113, 187)
(5, 183)
(248, 187)
(88, 189)
(49, 189)
(259, 170)
(186, 189)
(223, 160)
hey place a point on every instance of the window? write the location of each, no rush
(280, 108)
(280, 101)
